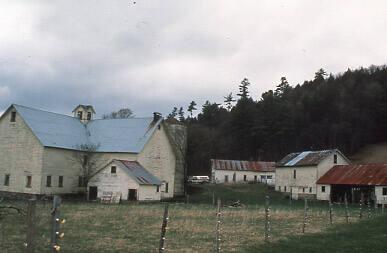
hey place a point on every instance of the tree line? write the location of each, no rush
(345, 111)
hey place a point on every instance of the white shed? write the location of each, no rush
(232, 171)
(125, 178)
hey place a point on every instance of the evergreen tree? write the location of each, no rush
(228, 100)
(173, 114)
(244, 89)
(181, 114)
(282, 88)
(192, 107)
(320, 74)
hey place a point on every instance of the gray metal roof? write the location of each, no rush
(138, 173)
(307, 158)
(109, 135)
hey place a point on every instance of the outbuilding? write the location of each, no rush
(127, 179)
(232, 171)
(297, 173)
(354, 181)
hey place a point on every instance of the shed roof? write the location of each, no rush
(138, 173)
(367, 174)
(109, 135)
(307, 158)
(242, 165)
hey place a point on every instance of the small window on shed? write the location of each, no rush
(385, 191)
(48, 181)
(335, 159)
(226, 178)
(310, 189)
(80, 114)
(28, 181)
(157, 188)
(245, 178)
(13, 116)
(323, 188)
(113, 169)
(284, 188)
(6, 179)
(294, 174)
(89, 116)
(303, 189)
(60, 183)
(255, 178)
(234, 177)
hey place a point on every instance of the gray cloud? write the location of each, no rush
(154, 55)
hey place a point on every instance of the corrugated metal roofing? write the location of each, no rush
(139, 173)
(242, 165)
(110, 135)
(306, 158)
(367, 174)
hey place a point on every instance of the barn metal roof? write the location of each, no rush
(306, 158)
(242, 165)
(367, 174)
(109, 135)
(138, 173)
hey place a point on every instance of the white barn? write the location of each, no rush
(297, 173)
(232, 171)
(127, 179)
(39, 150)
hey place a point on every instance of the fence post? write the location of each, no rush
(330, 212)
(30, 243)
(305, 215)
(346, 208)
(361, 206)
(163, 229)
(217, 231)
(56, 221)
(290, 196)
(368, 208)
(267, 218)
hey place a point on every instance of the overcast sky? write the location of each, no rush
(152, 55)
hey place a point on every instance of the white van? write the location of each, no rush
(198, 179)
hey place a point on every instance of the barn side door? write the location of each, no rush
(132, 194)
(93, 192)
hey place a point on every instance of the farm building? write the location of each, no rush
(354, 181)
(297, 173)
(48, 153)
(231, 171)
(128, 179)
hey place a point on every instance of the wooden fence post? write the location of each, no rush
(369, 208)
(330, 212)
(30, 243)
(290, 196)
(55, 224)
(267, 218)
(346, 208)
(217, 232)
(305, 215)
(163, 229)
(361, 206)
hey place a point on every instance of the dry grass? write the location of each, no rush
(136, 228)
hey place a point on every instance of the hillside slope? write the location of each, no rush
(373, 153)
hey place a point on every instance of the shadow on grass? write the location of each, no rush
(368, 236)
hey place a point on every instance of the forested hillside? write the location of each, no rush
(344, 111)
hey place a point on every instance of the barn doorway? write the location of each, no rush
(93, 192)
(132, 195)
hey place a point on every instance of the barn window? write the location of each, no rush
(166, 187)
(226, 178)
(244, 178)
(89, 116)
(234, 177)
(323, 188)
(80, 115)
(48, 181)
(6, 179)
(385, 191)
(13, 116)
(310, 189)
(157, 188)
(113, 170)
(269, 177)
(60, 182)
(255, 178)
(303, 189)
(334, 159)
(28, 181)
(294, 174)
(285, 188)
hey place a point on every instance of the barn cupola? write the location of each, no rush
(84, 113)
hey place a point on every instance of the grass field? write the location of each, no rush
(93, 227)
